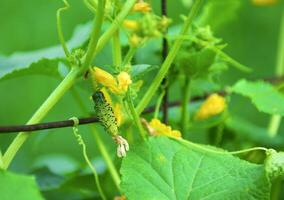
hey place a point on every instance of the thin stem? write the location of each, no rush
(107, 157)
(203, 148)
(116, 50)
(135, 115)
(115, 25)
(59, 27)
(86, 157)
(54, 97)
(185, 116)
(91, 5)
(129, 55)
(95, 35)
(275, 120)
(164, 55)
(158, 105)
(168, 61)
(1, 161)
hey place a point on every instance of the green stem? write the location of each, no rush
(86, 157)
(275, 120)
(185, 115)
(158, 105)
(94, 35)
(116, 50)
(107, 157)
(169, 59)
(203, 148)
(135, 115)
(54, 97)
(1, 161)
(68, 81)
(59, 27)
(128, 57)
(115, 25)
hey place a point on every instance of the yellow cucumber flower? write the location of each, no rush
(117, 85)
(213, 105)
(264, 2)
(160, 129)
(104, 78)
(124, 80)
(142, 6)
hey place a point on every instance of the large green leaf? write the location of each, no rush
(43, 61)
(18, 187)
(263, 95)
(163, 168)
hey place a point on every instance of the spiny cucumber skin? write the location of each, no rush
(105, 113)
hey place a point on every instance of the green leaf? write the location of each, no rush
(15, 186)
(263, 95)
(163, 168)
(251, 132)
(219, 12)
(138, 71)
(43, 61)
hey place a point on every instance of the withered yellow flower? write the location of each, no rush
(158, 129)
(124, 80)
(142, 6)
(264, 2)
(213, 105)
(131, 25)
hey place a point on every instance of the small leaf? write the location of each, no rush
(138, 71)
(263, 95)
(163, 168)
(15, 186)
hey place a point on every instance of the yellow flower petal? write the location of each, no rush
(142, 7)
(162, 129)
(264, 2)
(131, 25)
(213, 105)
(104, 78)
(124, 80)
(118, 113)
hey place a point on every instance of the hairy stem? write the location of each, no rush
(169, 59)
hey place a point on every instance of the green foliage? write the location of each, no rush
(14, 186)
(274, 164)
(212, 16)
(162, 168)
(263, 95)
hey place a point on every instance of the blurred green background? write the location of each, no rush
(252, 38)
